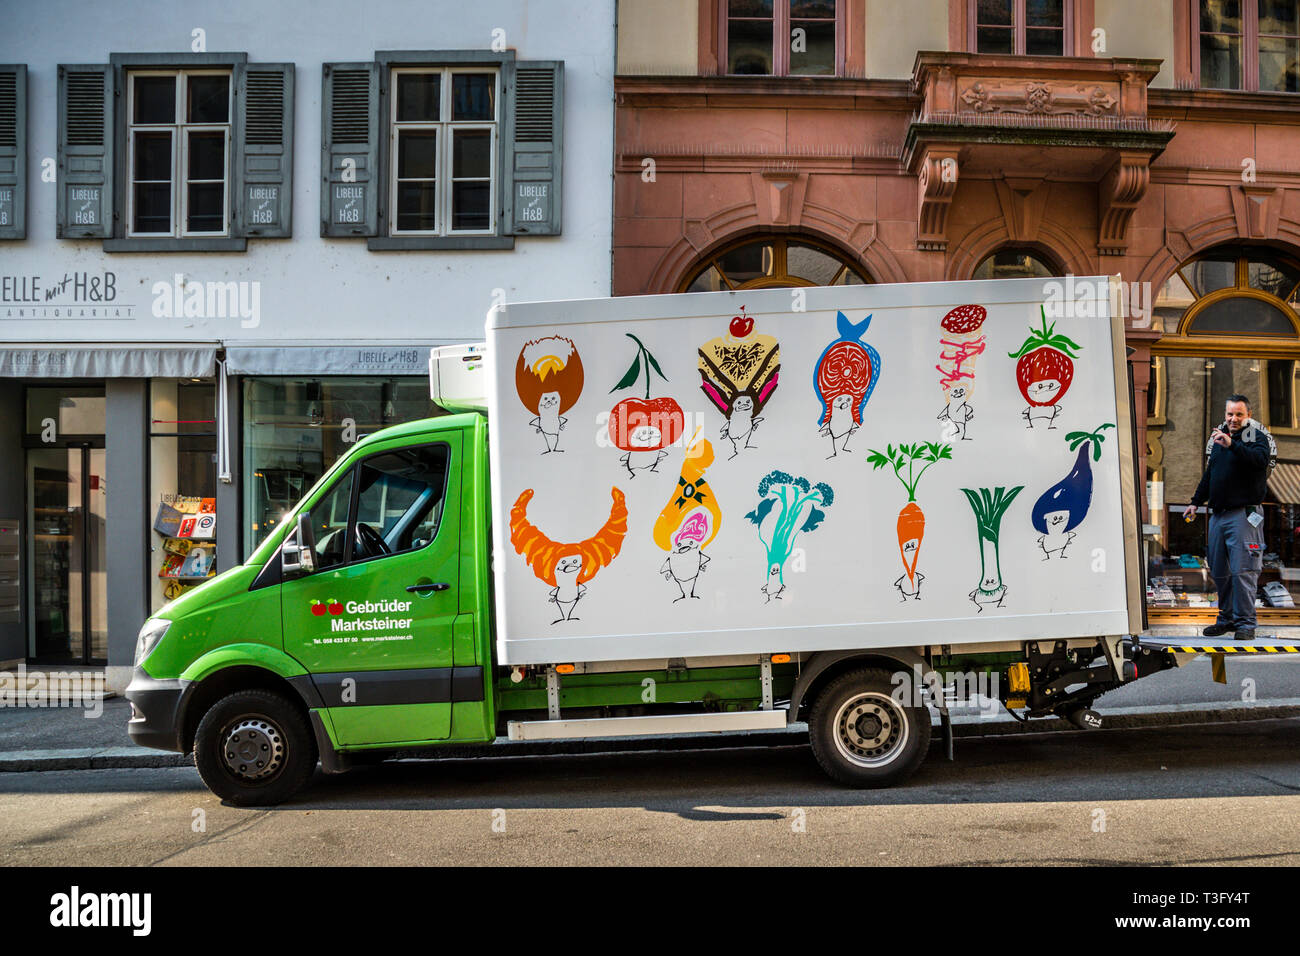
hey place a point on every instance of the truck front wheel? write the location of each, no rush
(254, 748)
(862, 736)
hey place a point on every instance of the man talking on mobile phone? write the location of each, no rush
(1233, 485)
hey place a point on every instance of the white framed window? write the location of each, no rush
(178, 144)
(444, 124)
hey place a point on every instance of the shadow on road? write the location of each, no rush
(1258, 758)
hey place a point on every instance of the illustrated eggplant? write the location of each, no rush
(1061, 508)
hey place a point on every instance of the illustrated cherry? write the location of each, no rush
(741, 325)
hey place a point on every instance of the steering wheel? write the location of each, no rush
(371, 542)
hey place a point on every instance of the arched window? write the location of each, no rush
(1015, 263)
(772, 262)
(1232, 291)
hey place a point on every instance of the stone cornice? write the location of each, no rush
(764, 92)
(1232, 106)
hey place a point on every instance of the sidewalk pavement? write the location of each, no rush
(68, 738)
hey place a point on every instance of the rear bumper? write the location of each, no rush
(154, 711)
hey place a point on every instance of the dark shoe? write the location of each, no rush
(1245, 634)
(1215, 630)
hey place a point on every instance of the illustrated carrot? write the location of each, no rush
(911, 520)
(911, 525)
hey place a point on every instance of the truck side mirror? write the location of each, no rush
(298, 552)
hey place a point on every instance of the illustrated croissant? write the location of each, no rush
(542, 553)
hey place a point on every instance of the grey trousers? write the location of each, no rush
(1236, 556)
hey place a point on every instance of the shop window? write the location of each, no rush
(443, 148)
(452, 150)
(1278, 397)
(1229, 327)
(183, 485)
(1249, 45)
(783, 37)
(1019, 27)
(1014, 264)
(56, 412)
(773, 263)
(1197, 386)
(13, 151)
(175, 152)
(296, 428)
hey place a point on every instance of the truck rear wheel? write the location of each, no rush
(862, 736)
(254, 748)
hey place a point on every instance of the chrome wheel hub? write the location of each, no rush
(870, 730)
(253, 748)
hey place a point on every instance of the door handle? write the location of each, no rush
(432, 586)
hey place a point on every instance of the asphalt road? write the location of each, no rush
(1209, 794)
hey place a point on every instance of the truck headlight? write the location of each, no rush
(149, 636)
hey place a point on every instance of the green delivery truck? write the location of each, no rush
(690, 514)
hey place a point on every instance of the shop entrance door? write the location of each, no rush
(66, 511)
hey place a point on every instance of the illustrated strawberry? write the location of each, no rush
(335, 607)
(1045, 368)
(317, 609)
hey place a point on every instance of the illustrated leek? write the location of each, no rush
(989, 507)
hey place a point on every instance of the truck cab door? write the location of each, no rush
(373, 621)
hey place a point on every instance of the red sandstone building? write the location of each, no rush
(766, 143)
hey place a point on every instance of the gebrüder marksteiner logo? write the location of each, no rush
(331, 606)
(334, 609)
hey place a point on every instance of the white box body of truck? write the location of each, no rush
(798, 470)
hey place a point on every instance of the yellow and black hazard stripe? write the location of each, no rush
(1230, 648)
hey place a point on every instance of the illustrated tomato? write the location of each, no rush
(317, 609)
(646, 424)
(335, 607)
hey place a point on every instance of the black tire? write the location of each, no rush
(882, 746)
(279, 751)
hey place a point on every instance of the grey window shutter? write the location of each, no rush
(262, 161)
(13, 151)
(86, 136)
(350, 177)
(534, 149)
